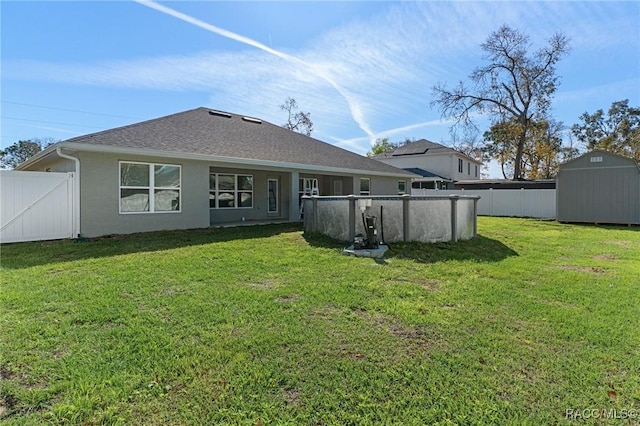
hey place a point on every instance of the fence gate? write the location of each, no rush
(36, 206)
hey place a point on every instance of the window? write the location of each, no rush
(229, 191)
(476, 171)
(424, 185)
(402, 187)
(149, 188)
(365, 186)
(460, 165)
(469, 168)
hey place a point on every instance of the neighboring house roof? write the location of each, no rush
(421, 147)
(424, 173)
(218, 135)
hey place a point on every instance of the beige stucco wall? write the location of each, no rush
(380, 185)
(100, 193)
(99, 197)
(259, 211)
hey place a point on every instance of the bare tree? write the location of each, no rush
(298, 121)
(514, 86)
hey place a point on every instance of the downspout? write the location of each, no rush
(76, 191)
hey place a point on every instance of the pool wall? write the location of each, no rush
(427, 219)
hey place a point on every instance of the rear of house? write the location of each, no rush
(204, 167)
(599, 187)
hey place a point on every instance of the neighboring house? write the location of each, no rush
(204, 167)
(599, 187)
(438, 165)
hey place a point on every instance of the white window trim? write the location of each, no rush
(151, 188)
(216, 191)
(365, 192)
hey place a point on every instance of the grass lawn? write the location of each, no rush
(265, 325)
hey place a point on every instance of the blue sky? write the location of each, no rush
(364, 70)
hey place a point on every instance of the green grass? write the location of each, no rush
(266, 325)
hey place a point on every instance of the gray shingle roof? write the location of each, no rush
(215, 133)
(421, 146)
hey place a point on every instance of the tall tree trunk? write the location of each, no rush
(522, 139)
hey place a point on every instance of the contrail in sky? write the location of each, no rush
(354, 108)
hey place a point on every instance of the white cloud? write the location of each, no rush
(374, 72)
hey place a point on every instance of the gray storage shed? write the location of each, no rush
(599, 187)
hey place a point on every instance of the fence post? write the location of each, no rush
(352, 216)
(475, 217)
(454, 217)
(405, 217)
(314, 203)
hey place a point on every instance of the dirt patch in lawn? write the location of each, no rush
(595, 270)
(621, 243)
(265, 284)
(6, 405)
(430, 284)
(289, 298)
(292, 396)
(605, 257)
(415, 338)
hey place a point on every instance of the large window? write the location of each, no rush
(149, 188)
(229, 191)
(365, 186)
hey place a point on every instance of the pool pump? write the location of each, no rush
(370, 241)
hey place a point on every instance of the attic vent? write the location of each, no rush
(219, 113)
(252, 120)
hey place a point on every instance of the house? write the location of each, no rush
(438, 165)
(599, 187)
(204, 167)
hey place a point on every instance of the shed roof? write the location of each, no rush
(598, 159)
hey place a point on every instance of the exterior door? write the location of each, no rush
(273, 194)
(337, 187)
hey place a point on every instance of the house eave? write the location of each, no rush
(255, 163)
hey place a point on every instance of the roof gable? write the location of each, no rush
(207, 132)
(598, 159)
(421, 147)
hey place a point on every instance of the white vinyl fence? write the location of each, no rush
(36, 206)
(535, 203)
